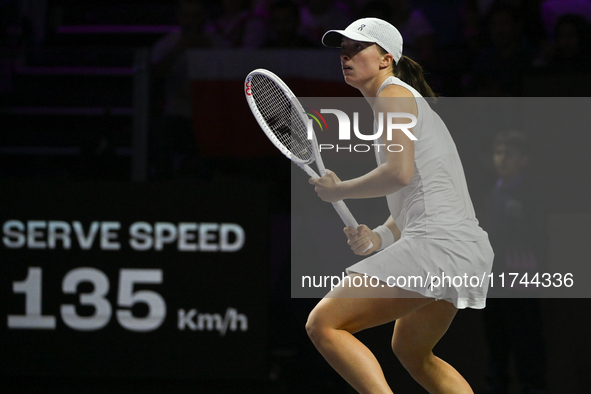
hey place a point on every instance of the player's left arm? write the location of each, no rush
(396, 172)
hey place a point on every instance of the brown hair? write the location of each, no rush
(410, 72)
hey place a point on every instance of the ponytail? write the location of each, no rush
(411, 72)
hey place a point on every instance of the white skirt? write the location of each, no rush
(451, 270)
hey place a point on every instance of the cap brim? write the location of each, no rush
(332, 38)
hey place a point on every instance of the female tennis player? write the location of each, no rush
(431, 232)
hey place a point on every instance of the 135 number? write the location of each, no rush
(126, 298)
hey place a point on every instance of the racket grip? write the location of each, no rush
(311, 173)
(345, 214)
(347, 218)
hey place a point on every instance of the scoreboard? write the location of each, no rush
(132, 280)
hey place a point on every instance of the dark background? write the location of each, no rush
(65, 154)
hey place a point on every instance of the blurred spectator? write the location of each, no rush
(552, 10)
(22, 22)
(515, 226)
(498, 69)
(445, 17)
(172, 141)
(531, 18)
(260, 7)
(7, 18)
(571, 48)
(238, 26)
(527, 10)
(416, 31)
(32, 18)
(471, 15)
(284, 22)
(377, 9)
(484, 6)
(319, 16)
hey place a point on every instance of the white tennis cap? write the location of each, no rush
(368, 30)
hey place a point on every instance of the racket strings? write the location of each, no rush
(282, 117)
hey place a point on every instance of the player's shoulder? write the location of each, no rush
(395, 90)
(396, 98)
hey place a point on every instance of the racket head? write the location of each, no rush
(280, 115)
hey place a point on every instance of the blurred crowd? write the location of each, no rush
(470, 47)
(466, 47)
(482, 46)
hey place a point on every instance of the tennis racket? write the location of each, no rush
(283, 119)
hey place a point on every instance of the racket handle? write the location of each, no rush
(347, 218)
(345, 214)
(316, 151)
(339, 206)
(311, 173)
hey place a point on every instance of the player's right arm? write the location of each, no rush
(358, 239)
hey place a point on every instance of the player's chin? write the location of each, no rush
(349, 80)
(348, 75)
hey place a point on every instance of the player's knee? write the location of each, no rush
(316, 327)
(312, 327)
(409, 357)
(397, 348)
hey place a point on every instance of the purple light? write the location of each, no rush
(119, 111)
(40, 150)
(117, 29)
(73, 70)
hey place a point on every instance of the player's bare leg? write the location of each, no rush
(414, 337)
(347, 310)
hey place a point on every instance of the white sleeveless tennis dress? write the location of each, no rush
(440, 233)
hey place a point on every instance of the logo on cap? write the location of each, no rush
(361, 27)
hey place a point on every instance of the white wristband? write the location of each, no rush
(386, 236)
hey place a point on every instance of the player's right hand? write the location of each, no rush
(358, 239)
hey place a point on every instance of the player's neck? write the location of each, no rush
(371, 88)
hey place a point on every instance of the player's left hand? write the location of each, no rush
(327, 186)
(359, 240)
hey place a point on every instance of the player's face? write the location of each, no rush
(508, 160)
(360, 61)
